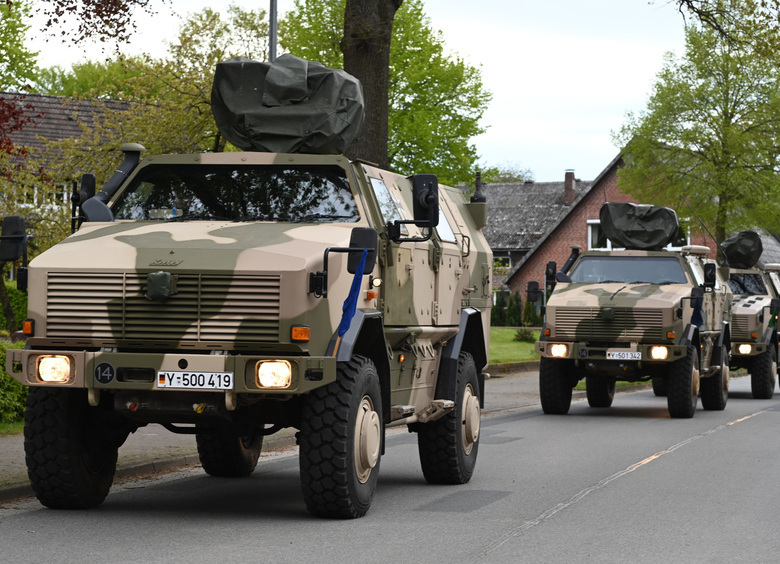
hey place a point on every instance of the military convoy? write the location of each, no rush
(639, 314)
(232, 295)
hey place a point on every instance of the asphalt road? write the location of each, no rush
(624, 484)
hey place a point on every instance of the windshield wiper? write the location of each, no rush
(316, 216)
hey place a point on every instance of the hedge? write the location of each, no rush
(18, 303)
(13, 395)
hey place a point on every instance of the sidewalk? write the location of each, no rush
(154, 449)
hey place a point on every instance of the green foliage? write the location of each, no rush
(167, 102)
(17, 63)
(506, 173)
(111, 79)
(531, 318)
(514, 311)
(12, 394)
(18, 303)
(436, 100)
(708, 135)
(525, 335)
(498, 311)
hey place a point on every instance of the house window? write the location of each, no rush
(503, 263)
(597, 240)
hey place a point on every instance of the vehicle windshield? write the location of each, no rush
(287, 193)
(629, 270)
(751, 284)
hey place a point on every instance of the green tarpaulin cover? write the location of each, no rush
(289, 106)
(743, 249)
(638, 226)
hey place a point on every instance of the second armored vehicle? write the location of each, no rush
(638, 314)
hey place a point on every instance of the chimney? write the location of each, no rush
(568, 188)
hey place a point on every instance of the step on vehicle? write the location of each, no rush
(637, 314)
(231, 295)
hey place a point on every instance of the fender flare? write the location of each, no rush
(470, 338)
(366, 337)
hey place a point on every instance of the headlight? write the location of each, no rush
(54, 368)
(273, 373)
(659, 353)
(559, 351)
(744, 348)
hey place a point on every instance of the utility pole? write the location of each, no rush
(272, 33)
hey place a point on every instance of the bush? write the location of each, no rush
(514, 311)
(13, 395)
(525, 335)
(498, 312)
(18, 303)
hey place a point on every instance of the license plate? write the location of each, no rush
(195, 380)
(624, 355)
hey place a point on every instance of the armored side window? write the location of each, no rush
(391, 209)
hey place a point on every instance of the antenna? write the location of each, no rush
(723, 254)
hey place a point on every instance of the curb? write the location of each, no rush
(18, 491)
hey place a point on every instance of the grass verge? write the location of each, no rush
(504, 349)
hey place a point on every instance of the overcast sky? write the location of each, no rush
(563, 73)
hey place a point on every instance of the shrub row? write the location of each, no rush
(13, 395)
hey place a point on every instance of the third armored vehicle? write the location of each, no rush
(753, 314)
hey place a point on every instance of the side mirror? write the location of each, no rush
(710, 275)
(362, 238)
(13, 243)
(425, 197)
(425, 188)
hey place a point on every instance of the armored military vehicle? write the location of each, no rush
(753, 313)
(637, 314)
(232, 295)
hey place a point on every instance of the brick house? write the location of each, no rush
(578, 224)
(54, 118)
(522, 213)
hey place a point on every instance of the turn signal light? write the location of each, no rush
(28, 327)
(300, 333)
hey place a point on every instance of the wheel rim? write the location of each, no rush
(695, 381)
(470, 418)
(368, 435)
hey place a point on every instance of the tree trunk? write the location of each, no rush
(368, 28)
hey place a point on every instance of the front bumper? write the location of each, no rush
(114, 371)
(637, 358)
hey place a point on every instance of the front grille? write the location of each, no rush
(206, 307)
(586, 324)
(740, 327)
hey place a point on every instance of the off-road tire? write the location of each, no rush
(715, 388)
(600, 391)
(227, 455)
(555, 386)
(763, 373)
(69, 465)
(682, 386)
(659, 386)
(448, 446)
(340, 464)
